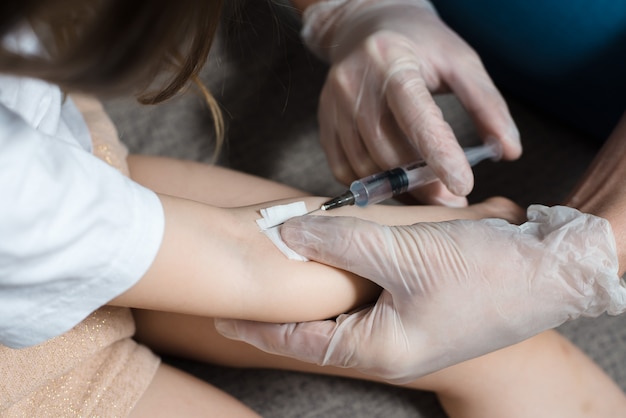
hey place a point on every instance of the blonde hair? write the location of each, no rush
(151, 48)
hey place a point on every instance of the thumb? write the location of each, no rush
(351, 244)
(306, 341)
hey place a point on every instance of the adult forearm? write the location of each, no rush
(602, 189)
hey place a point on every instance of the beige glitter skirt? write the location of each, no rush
(96, 369)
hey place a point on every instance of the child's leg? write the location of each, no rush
(173, 393)
(545, 376)
(205, 183)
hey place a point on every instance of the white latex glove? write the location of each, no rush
(452, 290)
(376, 110)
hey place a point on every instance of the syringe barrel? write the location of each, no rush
(382, 186)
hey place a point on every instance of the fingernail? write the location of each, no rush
(291, 233)
(461, 183)
(450, 200)
(514, 135)
(299, 235)
(513, 139)
(226, 327)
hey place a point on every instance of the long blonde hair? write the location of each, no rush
(151, 48)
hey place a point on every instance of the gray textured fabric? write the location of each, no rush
(268, 85)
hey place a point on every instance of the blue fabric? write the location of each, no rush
(565, 57)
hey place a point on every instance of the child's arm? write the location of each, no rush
(216, 262)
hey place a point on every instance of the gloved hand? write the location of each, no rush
(452, 291)
(376, 110)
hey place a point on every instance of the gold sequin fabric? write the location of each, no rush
(104, 137)
(96, 369)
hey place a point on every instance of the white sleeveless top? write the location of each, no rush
(74, 232)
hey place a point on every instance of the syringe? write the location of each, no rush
(382, 186)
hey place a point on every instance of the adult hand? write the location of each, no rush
(451, 290)
(376, 110)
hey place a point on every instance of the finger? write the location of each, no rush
(360, 160)
(437, 194)
(486, 106)
(306, 341)
(381, 147)
(385, 142)
(421, 119)
(391, 149)
(355, 99)
(330, 117)
(351, 244)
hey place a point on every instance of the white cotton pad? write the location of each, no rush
(275, 215)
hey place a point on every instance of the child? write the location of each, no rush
(87, 243)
